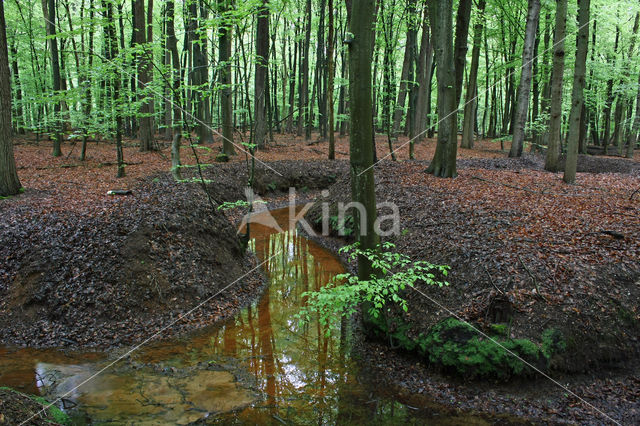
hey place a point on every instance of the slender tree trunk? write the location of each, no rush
(176, 91)
(9, 182)
(303, 92)
(114, 86)
(330, 78)
(606, 137)
(632, 140)
(555, 124)
(147, 142)
(444, 159)
(49, 11)
(525, 79)
(460, 46)
(471, 101)
(19, 119)
(577, 98)
(225, 31)
(262, 67)
(407, 65)
(423, 77)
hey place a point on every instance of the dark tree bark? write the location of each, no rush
(632, 140)
(147, 142)
(471, 101)
(462, 34)
(224, 79)
(606, 136)
(424, 71)
(577, 97)
(9, 182)
(49, 11)
(361, 149)
(406, 76)
(176, 91)
(443, 163)
(303, 91)
(330, 78)
(553, 150)
(262, 67)
(524, 88)
(114, 84)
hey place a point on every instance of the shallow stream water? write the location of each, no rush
(261, 367)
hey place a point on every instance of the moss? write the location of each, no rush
(450, 344)
(500, 329)
(457, 347)
(553, 342)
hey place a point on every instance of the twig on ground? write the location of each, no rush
(535, 282)
(491, 281)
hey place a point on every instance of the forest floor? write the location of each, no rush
(563, 256)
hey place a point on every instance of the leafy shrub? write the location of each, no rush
(346, 292)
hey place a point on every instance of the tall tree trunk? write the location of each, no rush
(525, 80)
(443, 163)
(49, 11)
(632, 139)
(330, 78)
(9, 182)
(147, 142)
(423, 77)
(361, 149)
(225, 31)
(114, 86)
(606, 136)
(471, 101)
(19, 126)
(407, 64)
(460, 46)
(176, 91)
(555, 122)
(424, 72)
(320, 73)
(262, 66)
(303, 92)
(577, 97)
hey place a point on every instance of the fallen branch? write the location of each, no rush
(535, 282)
(491, 281)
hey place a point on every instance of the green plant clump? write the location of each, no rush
(456, 346)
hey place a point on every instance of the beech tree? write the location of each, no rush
(522, 107)
(555, 136)
(361, 149)
(9, 182)
(443, 163)
(262, 63)
(577, 97)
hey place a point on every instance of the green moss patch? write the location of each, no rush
(458, 348)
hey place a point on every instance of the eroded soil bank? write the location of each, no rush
(532, 260)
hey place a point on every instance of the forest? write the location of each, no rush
(195, 199)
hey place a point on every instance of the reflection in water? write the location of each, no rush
(260, 367)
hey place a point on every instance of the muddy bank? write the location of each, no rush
(19, 408)
(533, 261)
(117, 272)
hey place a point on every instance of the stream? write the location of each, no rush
(260, 367)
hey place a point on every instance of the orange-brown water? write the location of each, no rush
(261, 367)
